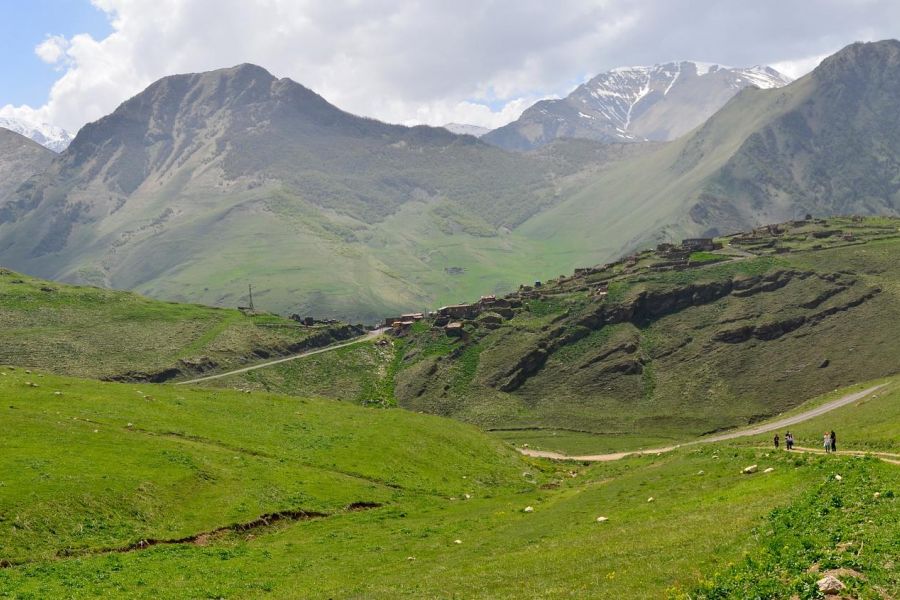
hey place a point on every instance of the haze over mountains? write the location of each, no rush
(204, 182)
(628, 104)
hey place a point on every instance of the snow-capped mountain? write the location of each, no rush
(49, 136)
(630, 104)
(464, 129)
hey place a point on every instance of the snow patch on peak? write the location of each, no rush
(47, 135)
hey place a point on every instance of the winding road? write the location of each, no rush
(755, 430)
(372, 334)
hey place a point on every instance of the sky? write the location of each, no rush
(68, 62)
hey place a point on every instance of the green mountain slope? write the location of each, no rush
(92, 332)
(826, 144)
(204, 182)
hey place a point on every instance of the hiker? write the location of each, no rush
(833, 441)
(776, 441)
(789, 440)
(826, 441)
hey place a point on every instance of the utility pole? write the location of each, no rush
(251, 296)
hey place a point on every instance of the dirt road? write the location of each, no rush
(755, 430)
(368, 336)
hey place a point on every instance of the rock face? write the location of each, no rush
(656, 103)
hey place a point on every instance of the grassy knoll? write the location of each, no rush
(105, 465)
(93, 332)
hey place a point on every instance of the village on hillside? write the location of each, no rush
(807, 234)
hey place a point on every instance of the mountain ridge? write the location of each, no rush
(627, 104)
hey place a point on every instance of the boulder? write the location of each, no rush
(769, 470)
(528, 509)
(750, 469)
(602, 519)
(830, 585)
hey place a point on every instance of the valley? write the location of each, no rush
(253, 345)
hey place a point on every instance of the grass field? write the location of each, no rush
(93, 332)
(204, 465)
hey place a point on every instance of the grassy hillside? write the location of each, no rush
(369, 503)
(100, 333)
(363, 373)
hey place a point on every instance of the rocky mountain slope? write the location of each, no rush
(20, 159)
(657, 103)
(49, 136)
(205, 182)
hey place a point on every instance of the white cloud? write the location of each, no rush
(799, 67)
(405, 61)
(52, 49)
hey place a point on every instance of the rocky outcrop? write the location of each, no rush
(527, 366)
(775, 329)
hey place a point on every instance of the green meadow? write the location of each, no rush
(253, 495)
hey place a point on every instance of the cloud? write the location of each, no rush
(800, 66)
(405, 61)
(52, 49)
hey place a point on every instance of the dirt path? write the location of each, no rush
(755, 430)
(368, 336)
(885, 456)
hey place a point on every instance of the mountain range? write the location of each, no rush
(827, 144)
(205, 182)
(49, 136)
(628, 104)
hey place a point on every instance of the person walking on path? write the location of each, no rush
(826, 441)
(789, 440)
(833, 440)
(776, 441)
